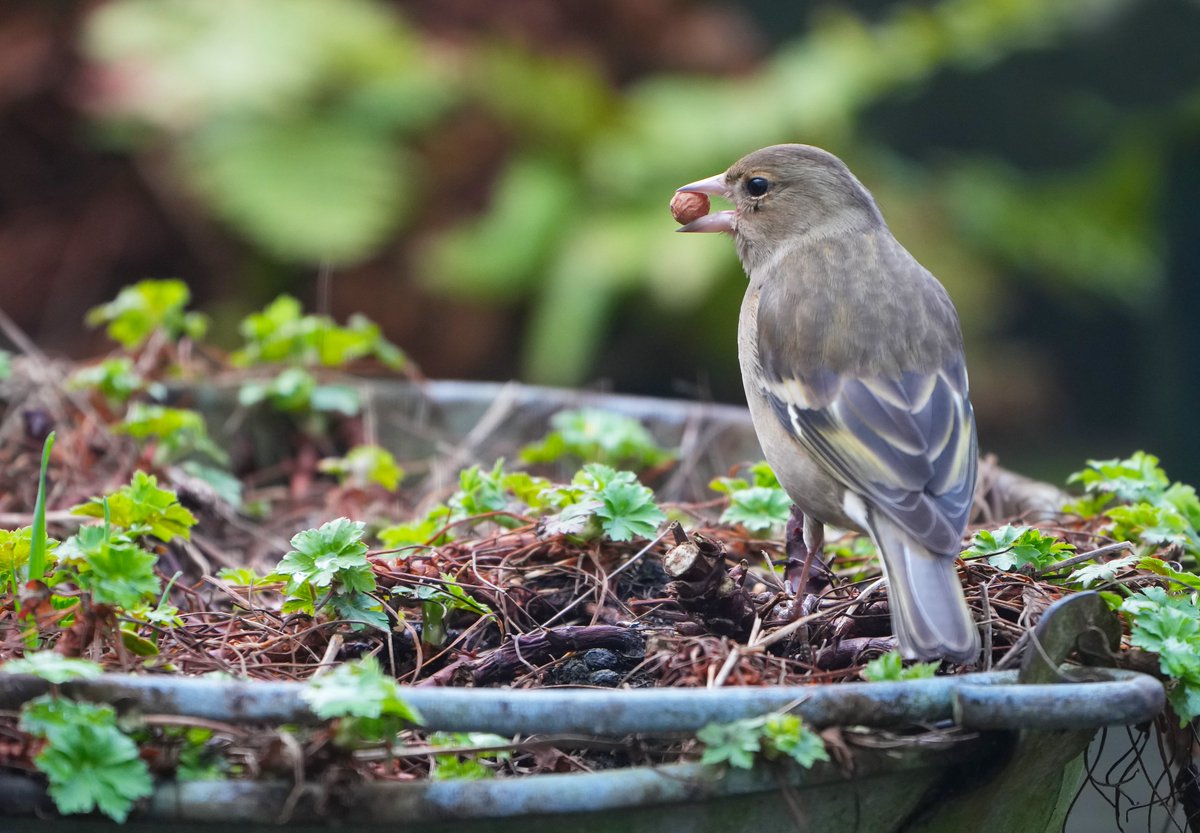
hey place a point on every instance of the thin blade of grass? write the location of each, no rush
(37, 537)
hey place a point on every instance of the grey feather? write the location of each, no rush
(931, 616)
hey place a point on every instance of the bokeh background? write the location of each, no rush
(489, 182)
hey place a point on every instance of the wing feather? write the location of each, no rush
(891, 418)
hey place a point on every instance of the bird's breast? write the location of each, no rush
(810, 487)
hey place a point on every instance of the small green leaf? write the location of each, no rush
(1151, 525)
(365, 465)
(577, 520)
(481, 493)
(1009, 548)
(336, 399)
(628, 511)
(736, 744)
(758, 508)
(890, 667)
(1105, 572)
(90, 763)
(295, 391)
(1143, 506)
(240, 576)
(1169, 626)
(49, 712)
(53, 667)
(196, 761)
(301, 598)
(226, 486)
(143, 507)
(14, 555)
(1162, 568)
(356, 606)
(594, 435)
(595, 477)
(331, 562)
(178, 432)
(602, 500)
(774, 736)
(764, 476)
(460, 767)
(786, 734)
(357, 689)
(112, 567)
(116, 379)
(137, 644)
(282, 333)
(728, 485)
(366, 701)
(528, 489)
(1088, 506)
(459, 599)
(149, 305)
(418, 533)
(92, 768)
(1137, 478)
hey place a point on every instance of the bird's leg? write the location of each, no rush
(795, 549)
(804, 543)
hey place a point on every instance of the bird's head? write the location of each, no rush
(781, 193)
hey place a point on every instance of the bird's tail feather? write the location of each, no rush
(929, 613)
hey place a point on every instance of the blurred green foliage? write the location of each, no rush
(149, 305)
(282, 333)
(116, 379)
(298, 122)
(594, 435)
(364, 466)
(285, 116)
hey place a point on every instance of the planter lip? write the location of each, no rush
(450, 390)
(430, 801)
(695, 422)
(1108, 696)
(985, 700)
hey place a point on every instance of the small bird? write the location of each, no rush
(852, 360)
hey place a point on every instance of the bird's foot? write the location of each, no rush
(804, 545)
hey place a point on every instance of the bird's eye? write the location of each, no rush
(756, 186)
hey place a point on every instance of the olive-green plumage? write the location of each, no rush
(853, 365)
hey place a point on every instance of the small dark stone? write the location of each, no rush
(602, 658)
(572, 672)
(355, 649)
(605, 677)
(38, 424)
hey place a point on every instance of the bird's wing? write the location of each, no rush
(904, 440)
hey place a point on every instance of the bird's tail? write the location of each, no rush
(929, 613)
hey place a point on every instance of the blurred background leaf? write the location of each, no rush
(308, 189)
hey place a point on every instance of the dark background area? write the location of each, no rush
(489, 182)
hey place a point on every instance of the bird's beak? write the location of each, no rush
(722, 220)
(713, 185)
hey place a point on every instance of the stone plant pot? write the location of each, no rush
(1001, 751)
